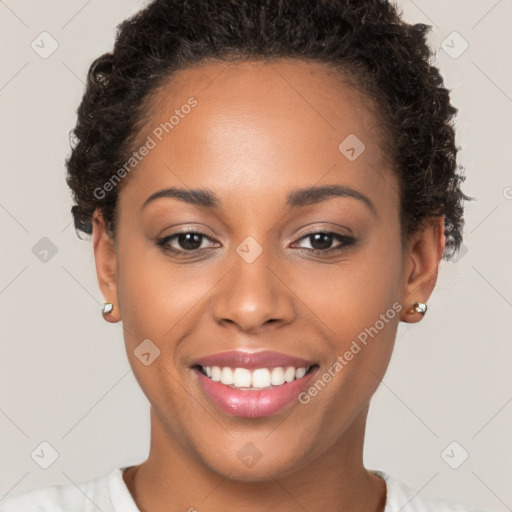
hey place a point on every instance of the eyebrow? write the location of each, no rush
(199, 197)
(313, 195)
(297, 198)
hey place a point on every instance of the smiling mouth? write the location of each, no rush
(254, 379)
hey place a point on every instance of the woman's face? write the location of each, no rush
(261, 143)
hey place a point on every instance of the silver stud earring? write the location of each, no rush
(107, 308)
(418, 307)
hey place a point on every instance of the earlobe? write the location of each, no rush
(424, 252)
(106, 267)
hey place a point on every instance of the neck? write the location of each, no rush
(336, 480)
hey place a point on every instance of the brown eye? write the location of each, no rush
(189, 241)
(321, 242)
(184, 241)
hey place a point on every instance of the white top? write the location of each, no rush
(109, 493)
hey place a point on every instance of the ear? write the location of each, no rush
(106, 265)
(423, 253)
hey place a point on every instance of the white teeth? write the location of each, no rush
(300, 373)
(242, 378)
(226, 376)
(289, 374)
(216, 372)
(277, 377)
(260, 378)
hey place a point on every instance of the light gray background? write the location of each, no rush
(64, 374)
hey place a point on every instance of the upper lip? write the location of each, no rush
(252, 360)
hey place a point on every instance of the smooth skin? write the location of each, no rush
(260, 131)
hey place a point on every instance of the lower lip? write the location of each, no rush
(255, 403)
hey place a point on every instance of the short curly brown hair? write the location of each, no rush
(388, 59)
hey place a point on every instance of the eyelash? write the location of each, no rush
(346, 242)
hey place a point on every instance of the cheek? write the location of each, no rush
(155, 296)
(359, 302)
(157, 303)
(360, 305)
(350, 296)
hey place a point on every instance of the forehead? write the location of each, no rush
(260, 128)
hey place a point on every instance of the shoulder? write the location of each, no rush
(107, 493)
(401, 497)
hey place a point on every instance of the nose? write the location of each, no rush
(254, 295)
